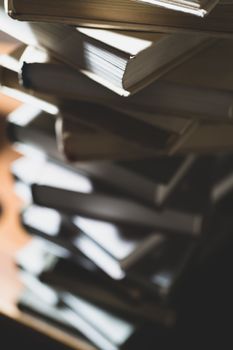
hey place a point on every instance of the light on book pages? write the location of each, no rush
(31, 100)
(107, 234)
(92, 251)
(44, 219)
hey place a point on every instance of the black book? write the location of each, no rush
(116, 209)
(156, 177)
(82, 278)
(156, 270)
(59, 188)
(122, 246)
(102, 328)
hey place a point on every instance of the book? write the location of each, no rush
(200, 137)
(167, 103)
(20, 8)
(119, 262)
(93, 145)
(82, 138)
(79, 277)
(39, 72)
(115, 60)
(155, 188)
(95, 324)
(116, 210)
(129, 280)
(74, 194)
(43, 241)
(123, 14)
(130, 243)
(164, 273)
(76, 322)
(157, 177)
(143, 139)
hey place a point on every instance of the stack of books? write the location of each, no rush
(125, 135)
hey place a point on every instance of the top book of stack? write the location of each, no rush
(129, 14)
(101, 9)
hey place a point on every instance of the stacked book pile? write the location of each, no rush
(126, 172)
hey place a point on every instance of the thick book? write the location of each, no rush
(80, 123)
(82, 88)
(162, 266)
(21, 8)
(93, 143)
(124, 245)
(88, 133)
(113, 59)
(102, 328)
(123, 14)
(62, 189)
(123, 138)
(200, 137)
(157, 177)
(189, 94)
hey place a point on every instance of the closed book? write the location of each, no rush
(157, 177)
(113, 59)
(142, 139)
(199, 138)
(20, 8)
(124, 250)
(124, 14)
(74, 194)
(100, 327)
(93, 144)
(194, 90)
(75, 278)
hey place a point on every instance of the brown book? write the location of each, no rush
(201, 88)
(124, 14)
(200, 137)
(113, 59)
(79, 141)
(93, 129)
